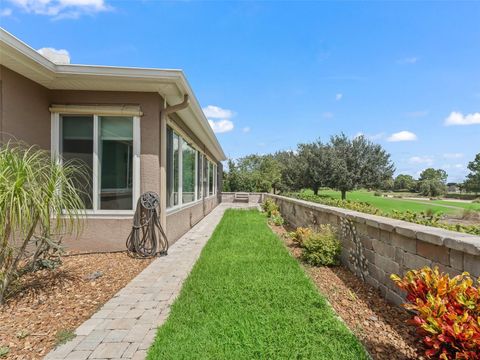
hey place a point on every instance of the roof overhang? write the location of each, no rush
(172, 85)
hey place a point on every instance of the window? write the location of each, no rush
(109, 148)
(199, 175)
(210, 178)
(77, 145)
(188, 173)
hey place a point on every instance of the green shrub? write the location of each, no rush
(476, 201)
(322, 248)
(377, 193)
(268, 206)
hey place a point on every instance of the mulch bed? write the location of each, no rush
(48, 301)
(380, 326)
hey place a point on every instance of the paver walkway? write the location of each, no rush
(125, 326)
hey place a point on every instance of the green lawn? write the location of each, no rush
(388, 204)
(247, 298)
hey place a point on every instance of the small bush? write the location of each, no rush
(300, 234)
(63, 336)
(268, 206)
(322, 248)
(276, 218)
(447, 312)
(476, 201)
(377, 193)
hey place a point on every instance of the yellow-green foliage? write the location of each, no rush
(300, 234)
(268, 206)
(322, 248)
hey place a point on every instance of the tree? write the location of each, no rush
(432, 182)
(314, 161)
(405, 182)
(290, 170)
(357, 163)
(253, 173)
(472, 183)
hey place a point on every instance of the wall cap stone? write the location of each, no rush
(453, 240)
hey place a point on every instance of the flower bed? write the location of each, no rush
(48, 305)
(380, 325)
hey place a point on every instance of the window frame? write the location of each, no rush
(56, 154)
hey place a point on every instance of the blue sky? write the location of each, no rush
(273, 74)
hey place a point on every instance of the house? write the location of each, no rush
(137, 130)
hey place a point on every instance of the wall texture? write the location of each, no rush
(182, 220)
(387, 245)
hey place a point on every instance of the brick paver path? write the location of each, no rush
(125, 326)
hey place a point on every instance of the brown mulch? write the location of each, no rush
(379, 325)
(48, 301)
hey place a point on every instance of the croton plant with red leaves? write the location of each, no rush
(447, 312)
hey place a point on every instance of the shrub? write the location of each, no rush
(476, 201)
(34, 191)
(268, 206)
(276, 218)
(377, 193)
(447, 312)
(322, 247)
(300, 234)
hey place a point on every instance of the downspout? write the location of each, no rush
(166, 110)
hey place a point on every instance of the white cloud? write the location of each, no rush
(56, 56)
(222, 124)
(408, 60)
(453, 155)
(62, 8)
(402, 136)
(457, 118)
(417, 114)
(372, 137)
(246, 129)
(216, 112)
(428, 160)
(5, 12)
(328, 115)
(338, 97)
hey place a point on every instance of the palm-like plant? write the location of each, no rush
(38, 204)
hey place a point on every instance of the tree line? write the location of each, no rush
(342, 164)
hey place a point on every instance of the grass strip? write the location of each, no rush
(247, 298)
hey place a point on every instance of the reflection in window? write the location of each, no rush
(210, 178)
(77, 144)
(199, 176)
(188, 173)
(116, 162)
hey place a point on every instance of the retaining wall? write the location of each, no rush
(253, 197)
(386, 245)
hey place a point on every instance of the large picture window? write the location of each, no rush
(108, 147)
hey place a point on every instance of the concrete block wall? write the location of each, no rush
(388, 245)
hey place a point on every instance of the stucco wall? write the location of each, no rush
(182, 220)
(388, 245)
(24, 109)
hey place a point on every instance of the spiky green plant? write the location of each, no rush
(38, 204)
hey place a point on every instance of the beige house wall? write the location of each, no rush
(25, 115)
